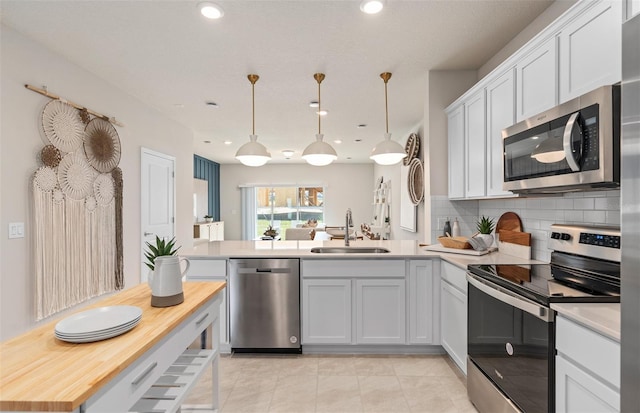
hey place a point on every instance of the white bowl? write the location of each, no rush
(339, 232)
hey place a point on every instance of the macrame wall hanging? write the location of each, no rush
(77, 206)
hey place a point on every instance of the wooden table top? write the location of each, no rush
(38, 372)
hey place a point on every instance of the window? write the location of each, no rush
(286, 207)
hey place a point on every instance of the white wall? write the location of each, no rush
(22, 62)
(346, 186)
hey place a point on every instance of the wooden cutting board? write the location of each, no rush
(509, 221)
(514, 237)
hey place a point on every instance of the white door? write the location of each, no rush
(157, 191)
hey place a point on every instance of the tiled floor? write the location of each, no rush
(297, 384)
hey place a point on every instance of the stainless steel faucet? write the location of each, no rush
(348, 223)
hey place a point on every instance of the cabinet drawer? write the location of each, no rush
(206, 268)
(125, 389)
(454, 275)
(595, 352)
(353, 268)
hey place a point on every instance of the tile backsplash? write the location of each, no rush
(537, 214)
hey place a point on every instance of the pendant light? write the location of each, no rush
(319, 153)
(253, 153)
(387, 152)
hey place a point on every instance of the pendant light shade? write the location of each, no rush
(387, 152)
(319, 153)
(253, 153)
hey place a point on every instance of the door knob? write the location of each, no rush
(146, 234)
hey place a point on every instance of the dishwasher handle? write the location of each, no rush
(264, 270)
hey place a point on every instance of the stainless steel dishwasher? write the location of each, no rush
(264, 301)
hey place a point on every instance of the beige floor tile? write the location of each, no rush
(373, 366)
(298, 366)
(249, 383)
(382, 394)
(338, 394)
(337, 366)
(240, 401)
(295, 394)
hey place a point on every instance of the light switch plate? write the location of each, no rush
(16, 230)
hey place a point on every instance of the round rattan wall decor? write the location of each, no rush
(412, 148)
(75, 176)
(102, 145)
(45, 179)
(416, 181)
(103, 189)
(62, 126)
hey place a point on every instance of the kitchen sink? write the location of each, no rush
(349, 250)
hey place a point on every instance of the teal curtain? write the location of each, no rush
(208, 170)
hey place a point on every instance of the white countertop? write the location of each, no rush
(601, 317)
(302, 249)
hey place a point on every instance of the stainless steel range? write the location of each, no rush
(511, 329)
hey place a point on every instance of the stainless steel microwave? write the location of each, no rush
(572, 147)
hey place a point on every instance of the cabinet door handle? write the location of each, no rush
(204, 317)
(144, 373)
(146, 234)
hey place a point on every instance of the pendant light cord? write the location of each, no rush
(386, 76)
(253, 79)
(319, 77)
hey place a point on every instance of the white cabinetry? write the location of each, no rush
(500, 114)
(633, 8)
(326, 312)
(587, 369)
(456, 152)
(213, 270)
(453, 313)
(423, 292)
(380, 311)
(211, 231)
(369, 292)
(590, 50)
(536, 80)
(475, 144)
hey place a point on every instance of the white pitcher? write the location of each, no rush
(166, 281)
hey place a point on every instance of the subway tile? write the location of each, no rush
(595, 217)
(583, 203)
(564, 203)
(613, 217)
(608, 204)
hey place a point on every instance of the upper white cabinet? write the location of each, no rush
(590, 50)
(456, 152)
(633, 8)
(536, 80)
(501, 113)
(577, 53)
(475, 145)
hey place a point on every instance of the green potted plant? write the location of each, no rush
(485, 227)
(208, 218)
(160, 249)
(165, 277)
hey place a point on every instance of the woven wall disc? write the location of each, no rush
(103, 189)
(45, 179)
(75, 176)
(412, 148)
(102, 145)
(90, 203)
(50, 156)
(62, 126)
(416, 181)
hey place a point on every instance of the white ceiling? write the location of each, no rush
(169, 56)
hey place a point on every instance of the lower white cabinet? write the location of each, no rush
(326, 311)
(211, 231)
(423, 303)
(453, 313)
(380, 311)
(587, 369)
(353, 302)
(213, 270)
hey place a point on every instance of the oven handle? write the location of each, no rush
(543, 313)
(566, 142)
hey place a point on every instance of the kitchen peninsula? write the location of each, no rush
(42, 373)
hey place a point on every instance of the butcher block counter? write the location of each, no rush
(41, 373)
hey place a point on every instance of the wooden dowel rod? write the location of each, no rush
(46, 93)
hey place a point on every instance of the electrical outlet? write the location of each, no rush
(441, 221)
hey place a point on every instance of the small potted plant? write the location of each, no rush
(208, 218)
(165, 277)
(485, 227)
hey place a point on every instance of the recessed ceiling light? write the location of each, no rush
(348, 157)
(179, 105)
(212, 104)
(313, 104)
(337, 141)
(207, 141)
(322, 112)
(210, 10)
(362, 125)
(358, 140)
(372, 6)
(288, 153)
(228, 142)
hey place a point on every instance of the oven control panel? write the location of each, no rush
(591, 241)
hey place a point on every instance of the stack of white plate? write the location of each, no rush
(98, 324)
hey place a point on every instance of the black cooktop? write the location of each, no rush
(536, 282)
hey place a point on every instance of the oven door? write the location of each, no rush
(511, 342)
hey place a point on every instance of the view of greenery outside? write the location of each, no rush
(286, 207)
